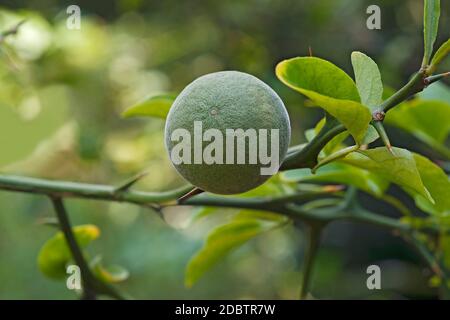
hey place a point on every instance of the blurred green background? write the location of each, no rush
(61, 95)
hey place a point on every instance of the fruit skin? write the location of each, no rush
(227, 100)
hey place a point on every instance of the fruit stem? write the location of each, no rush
(306, 157)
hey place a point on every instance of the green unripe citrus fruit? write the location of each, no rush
(225, 102)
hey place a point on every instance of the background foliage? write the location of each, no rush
(62, 92)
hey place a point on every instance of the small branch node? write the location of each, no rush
(378, 115)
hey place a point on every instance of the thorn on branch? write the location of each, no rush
(158, 209)
(130, 182)
(383, 135)
(190, 194)
(431, 79)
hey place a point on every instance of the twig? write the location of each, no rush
(89, 292)
(431, 79)
(91, 285)
(313, 240)
(414, 85)
(283, 205)
(66, 189)
(346, 209)
(378, 125)
(431, 260)
(307, 156)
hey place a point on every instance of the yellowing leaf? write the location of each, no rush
(353, 115)
(328, 87)
(317, 75)
(109, 274)
(55, 253)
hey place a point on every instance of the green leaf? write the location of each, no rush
(317, 75)
(368, 80)
(399, 167)
(438, 91)
(430, 27)
(335, 156)
(437, 183)
(371, 136)
(310, 134)
(272, 187)
(154, 106)
(320, 124)
(342, 174)
(440, 55)
(335, 144)
(354, 116)
(328, 87)
(429, 121)
(110, 274)
(55, 253)
(221, 241)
